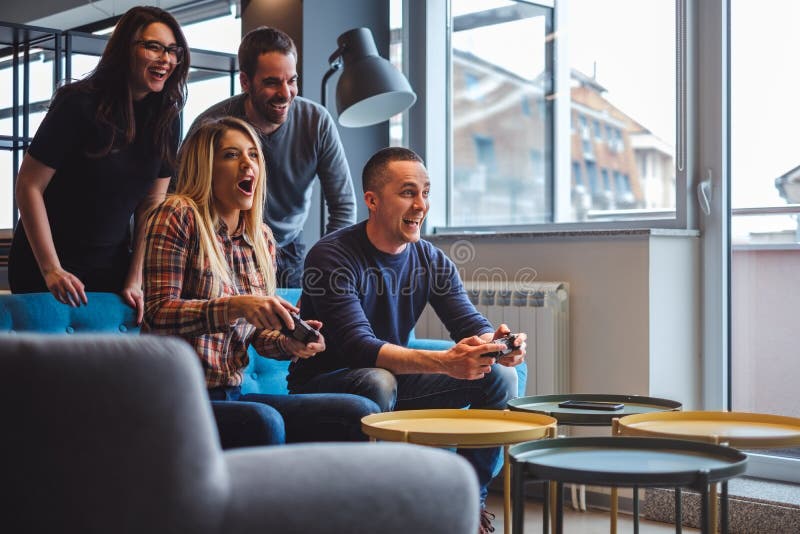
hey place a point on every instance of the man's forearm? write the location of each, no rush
(402, 360)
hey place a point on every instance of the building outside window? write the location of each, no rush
(503, 49)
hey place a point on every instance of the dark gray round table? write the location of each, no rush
(632, 405)
(621, 462)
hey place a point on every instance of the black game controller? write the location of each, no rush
(508, 341)
(303, 332)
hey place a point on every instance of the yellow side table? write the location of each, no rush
(741, 430)
(463, 428)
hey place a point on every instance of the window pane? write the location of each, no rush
(396, 123)
(765, 180)
(500, 119)
(621, 128)
(622, 80)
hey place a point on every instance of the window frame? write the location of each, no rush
(702, 154)
(433, 51)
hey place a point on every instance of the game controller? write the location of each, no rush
(303, 332)
(508, 341)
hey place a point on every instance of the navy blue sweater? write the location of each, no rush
(366, 298)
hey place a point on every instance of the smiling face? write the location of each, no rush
(271, 90)
(397, 209)
(234, 175)
(150, 72)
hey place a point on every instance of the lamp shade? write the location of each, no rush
(370, 89)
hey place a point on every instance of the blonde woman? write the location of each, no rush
(210, 278)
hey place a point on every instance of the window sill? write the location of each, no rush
(564, 234)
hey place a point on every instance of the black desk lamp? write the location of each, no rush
(370, 89)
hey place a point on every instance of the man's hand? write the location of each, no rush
(518, 356)
(270, 313)
(467, 360)
(65, 287)
(302, 351)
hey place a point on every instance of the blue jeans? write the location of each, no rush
(289, 263)
(419, 391)
(261, 419)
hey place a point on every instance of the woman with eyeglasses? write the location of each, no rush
(104, 152)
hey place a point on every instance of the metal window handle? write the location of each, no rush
(704, 193)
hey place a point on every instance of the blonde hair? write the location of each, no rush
(195, 169)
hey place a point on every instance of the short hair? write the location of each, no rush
(373, 178)
(263, 40)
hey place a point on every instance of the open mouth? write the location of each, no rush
(412, 222)
(279, 106)
(158, 72)
(246, 186)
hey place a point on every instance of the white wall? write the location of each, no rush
(634, 303)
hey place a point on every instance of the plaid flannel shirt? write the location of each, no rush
(179, 299)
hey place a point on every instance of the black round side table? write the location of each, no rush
(620, 462)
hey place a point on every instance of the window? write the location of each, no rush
(211, 78)
(619, 100)
(487, 85)
(765, 223)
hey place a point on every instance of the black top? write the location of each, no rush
(89, 200)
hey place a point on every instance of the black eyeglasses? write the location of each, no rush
(155, 50)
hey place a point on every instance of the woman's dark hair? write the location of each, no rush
(110, 80)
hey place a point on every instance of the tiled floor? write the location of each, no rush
(591, 522)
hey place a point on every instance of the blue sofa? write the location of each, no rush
(107, 313)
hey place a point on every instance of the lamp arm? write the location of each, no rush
(336, 64)
(323, 95)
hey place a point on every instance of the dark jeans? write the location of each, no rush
(413, 392)
(289, 272)
(261, 419)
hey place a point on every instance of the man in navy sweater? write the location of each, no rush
(369, 283)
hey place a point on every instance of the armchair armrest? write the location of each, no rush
(390, 488)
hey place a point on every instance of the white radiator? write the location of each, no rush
(540, 309)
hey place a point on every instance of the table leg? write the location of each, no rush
(705, 515)
(614, 510)
(546, 507)
(506, 492)
(553, 505)
(678, 511)
(559, 508)
(635, 510)
(723, 504)
(713, 508)
(518, 499)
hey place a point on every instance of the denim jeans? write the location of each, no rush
(287, 418)
(419, 391)
(289, 268)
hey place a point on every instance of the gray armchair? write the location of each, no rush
(115, 434)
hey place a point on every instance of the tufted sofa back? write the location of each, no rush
(41, 312)
(107, 313)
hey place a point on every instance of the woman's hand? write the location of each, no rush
(134, 297)
(270, 313)
(299, 350)
(65, 287)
